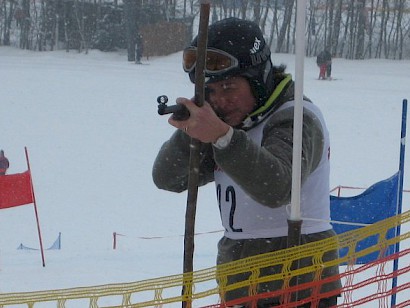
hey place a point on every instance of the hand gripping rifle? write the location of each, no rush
(181, 113)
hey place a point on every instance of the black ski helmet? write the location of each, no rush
(243, 39)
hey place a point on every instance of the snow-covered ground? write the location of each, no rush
(92, 131)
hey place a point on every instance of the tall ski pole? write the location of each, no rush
(193, 178)
(399, 207)
(294, 220)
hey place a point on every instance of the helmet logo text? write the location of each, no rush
(261, 56)
(256, 46)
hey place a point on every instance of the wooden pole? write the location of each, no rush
(193, 179)
(35, 211)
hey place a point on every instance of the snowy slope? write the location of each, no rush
(92, 131)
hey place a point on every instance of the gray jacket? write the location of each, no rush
(265, 172)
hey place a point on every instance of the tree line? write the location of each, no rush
(353, 29)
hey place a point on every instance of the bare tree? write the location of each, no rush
(8, 11)
(399, 37)
(25, 25)
(311, 28)
(330, 22)
(284, 30)
(336, 27)
(361, 25)
(243, 9)
(383, 23)
(257, 10)
(131, 10)
(43, 23)
(82, 19)
(275, 24)
(372, 15)
(67, 21)
(264, 15)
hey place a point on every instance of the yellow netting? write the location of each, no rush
(167, 290)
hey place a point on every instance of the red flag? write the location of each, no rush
(15, 190)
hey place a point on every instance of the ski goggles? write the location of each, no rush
(217, 61)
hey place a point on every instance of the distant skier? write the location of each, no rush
(324, 61)
(139, 49)
(4, 163)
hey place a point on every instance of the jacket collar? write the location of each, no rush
(271, 104)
